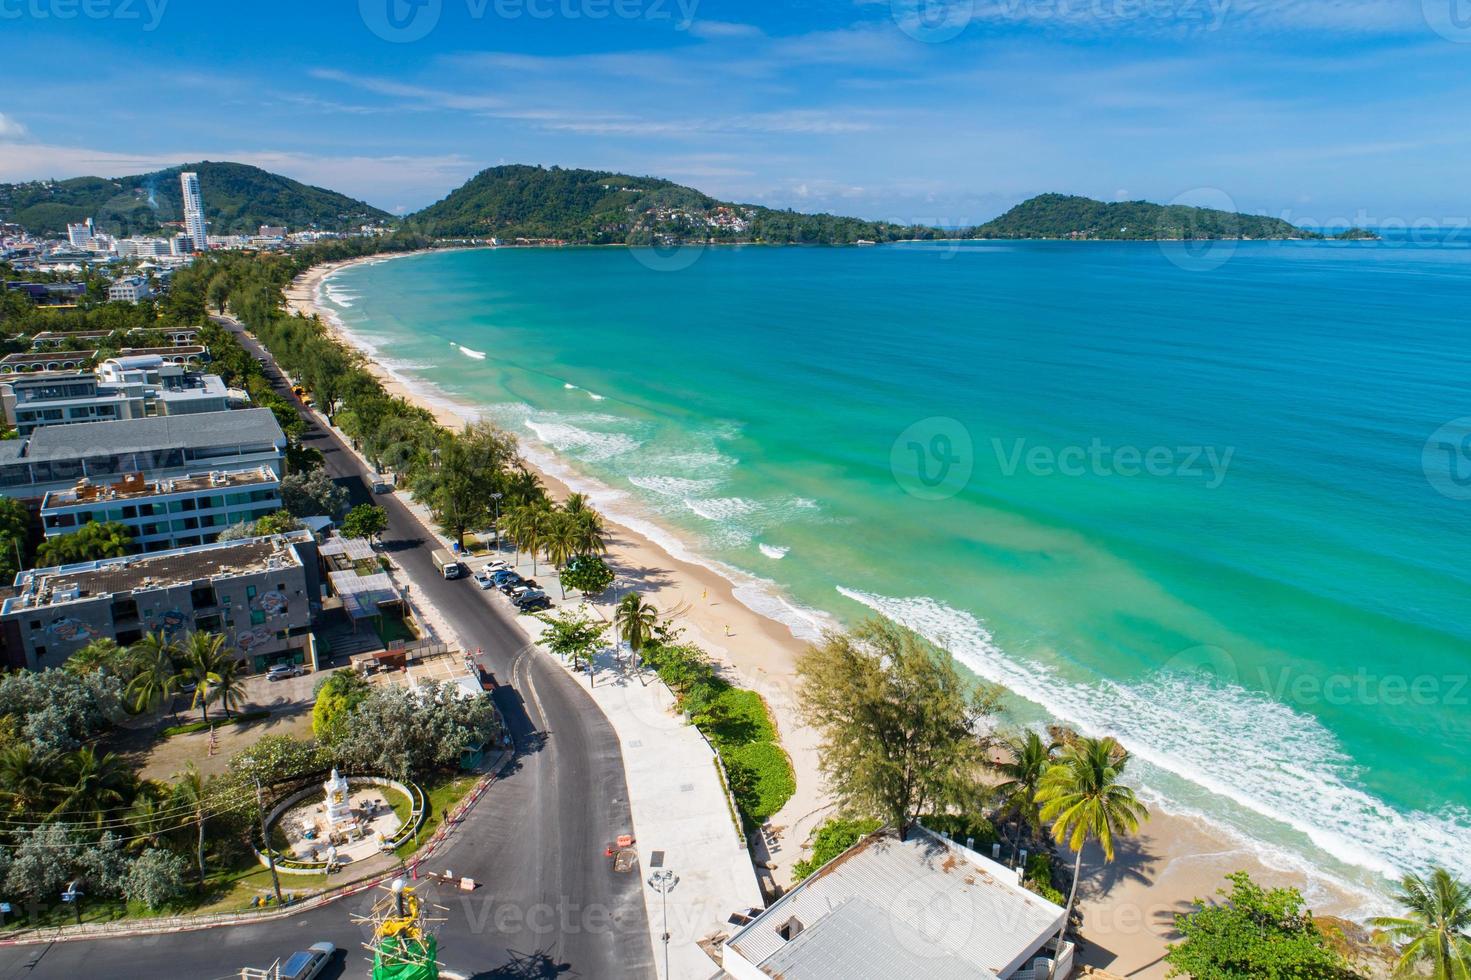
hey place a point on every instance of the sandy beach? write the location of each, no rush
(1128, 906)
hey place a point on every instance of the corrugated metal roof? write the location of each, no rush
(857, 939)
(204, 430)
(935, 899)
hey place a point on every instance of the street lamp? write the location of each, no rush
(663, 880)
(72, 897)
(497, 498)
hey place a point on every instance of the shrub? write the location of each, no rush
(833, 838)
(199, 726)
(155, 878)
(760, 778)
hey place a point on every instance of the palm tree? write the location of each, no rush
(101, 653)
(91, 785)
(149, 818)
(189, 793)
(1082, 796)
(560, 541)
(27, 778)
(205, 660)
(634, 621)
(528, 526)
(1436, 927)
(524, 487)
(157, 678)
(591, 533)
(1028, 759)
(576, 503)
(229, 687)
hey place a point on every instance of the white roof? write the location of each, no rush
(885, 908)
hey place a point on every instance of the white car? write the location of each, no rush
(282, 671)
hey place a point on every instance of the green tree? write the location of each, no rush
(155, 878)
(28, 778)
(833, 838)
(102, 653)
(365, 521)
(464, 469)
(1435, 931)
(278, 522)
(92, 784)
(229, 686)
(190, 794)
(337, 695)
(899, 725)
(574, 636)
(529, 525)
(1254, 934)
(275, 758)
(411, 732)
(1083, 797)
(588, 574)
(206, 663)
(93, 541)
(156, 675)
(633, 621)
(312, 493)
(1027, 760)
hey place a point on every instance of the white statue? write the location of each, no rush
(339, 803)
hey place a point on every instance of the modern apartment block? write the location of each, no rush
(132, 387)
(55, 457)
(170, 513)
(258, 593)
(130, 289)
(194, 211)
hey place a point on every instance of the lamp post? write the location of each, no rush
(72, 896)
(497, 498)
(663, 880)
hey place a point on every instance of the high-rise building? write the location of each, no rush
(194, 210)
(80, 234)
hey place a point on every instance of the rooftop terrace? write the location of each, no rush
(133, 486)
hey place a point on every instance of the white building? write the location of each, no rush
(885, 908)
(129, 290)
(194, 210)
(126, 387)
(142, 247)
(80, 235)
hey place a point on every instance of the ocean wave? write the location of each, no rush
(1241, 745)
(583, 443)
(774, 552)
(476, 354)
(720, 508)
(674, 486)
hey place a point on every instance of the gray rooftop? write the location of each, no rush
(246, 426)
(924, 907)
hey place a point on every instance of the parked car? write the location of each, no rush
(308, 963)
(282, 671)
(502, 576)
(538, 604)
(510, 583)
(529, 596)
(485, 578)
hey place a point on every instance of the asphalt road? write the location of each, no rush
(548, 903)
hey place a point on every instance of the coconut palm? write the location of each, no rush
(1082, 796)
(560, 542)
(576, 503)
(205, 662)
(91, 784)
(229, 686)
(189, 794)
(157, 678)
(634, 621)
(524, 487)
(27, 778)
(102, 653)
(528, 525)
(1028, 759)
(591, 533)
(1435, 930)
(149, 818)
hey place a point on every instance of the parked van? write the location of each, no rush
(448, 565)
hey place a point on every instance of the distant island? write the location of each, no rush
(553, 205)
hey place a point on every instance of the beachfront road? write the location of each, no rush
(548, 904)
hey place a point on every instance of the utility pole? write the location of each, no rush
(266, 841)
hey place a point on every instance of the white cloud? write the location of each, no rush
(723, 29)
(10, 128)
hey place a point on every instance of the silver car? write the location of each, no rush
(308, 963)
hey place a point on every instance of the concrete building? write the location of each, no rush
(80, 235)
(55, 457)
(194, 211)
(50, 293)
(130, 289)
(169, 513)
(133, 387)
(258, 593)
(181, 245)
(71, 360)
(924, 907)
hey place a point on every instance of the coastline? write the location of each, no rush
(1128, 906)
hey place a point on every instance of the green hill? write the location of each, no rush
(1069, 216)
(600, 207)
(237, 199)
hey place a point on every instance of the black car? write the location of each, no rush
(521, 601)
(510, 582)
(538, 604)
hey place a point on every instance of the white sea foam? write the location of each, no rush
(720, 508)
(773, 551)
(476, 354)
(586, 444)
(674, 486)
(1241, 745)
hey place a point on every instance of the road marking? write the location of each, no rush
(520, 667)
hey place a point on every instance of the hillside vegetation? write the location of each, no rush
(1070, 216)
(238, 199)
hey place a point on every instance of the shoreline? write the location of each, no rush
(1128, 907)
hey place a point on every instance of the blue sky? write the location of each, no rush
(1319, 111)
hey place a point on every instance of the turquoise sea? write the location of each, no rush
(1214, 503)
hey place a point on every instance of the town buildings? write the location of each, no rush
(126, 387)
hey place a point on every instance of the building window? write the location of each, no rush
(257, 617)
(203, 597)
